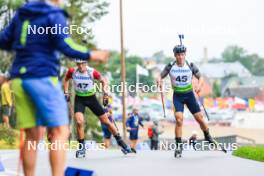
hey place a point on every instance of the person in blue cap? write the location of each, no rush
(39, 99)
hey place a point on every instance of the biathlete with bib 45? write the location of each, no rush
(181, 74)
(83, 78)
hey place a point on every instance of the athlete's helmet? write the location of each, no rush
(79, 61)
(179, 49)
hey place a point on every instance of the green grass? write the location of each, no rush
(6, 146)
(250, 152)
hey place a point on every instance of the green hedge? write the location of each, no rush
(250, 152)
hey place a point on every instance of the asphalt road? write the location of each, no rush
(148, 163)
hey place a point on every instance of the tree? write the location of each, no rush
(131, 63)
(216, 89)
(7, 9)
(253, 62)
(233, 53)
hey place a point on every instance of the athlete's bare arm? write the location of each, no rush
(66, 84)
(196, 72)
(164, 73)
(103, 81)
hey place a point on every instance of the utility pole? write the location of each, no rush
(123, 69)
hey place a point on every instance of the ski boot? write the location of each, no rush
(124, 147)
(179, 148)
(80, 153)
(209, 139)
(178, 153)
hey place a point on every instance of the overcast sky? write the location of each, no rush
(154, 25)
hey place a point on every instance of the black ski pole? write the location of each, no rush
(206, 114)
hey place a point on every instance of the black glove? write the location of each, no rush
(67, 97)
(105, 99)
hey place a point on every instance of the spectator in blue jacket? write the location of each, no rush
(34, 73)
(133, 122)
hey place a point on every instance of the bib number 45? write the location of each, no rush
(181, 78)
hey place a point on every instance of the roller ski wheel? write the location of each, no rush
(217, 145)
(80, 154)
(126, 151)
(133, 150)
(178, 153)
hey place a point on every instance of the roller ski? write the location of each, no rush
(80, 154)
(210, 140)
(124, 147)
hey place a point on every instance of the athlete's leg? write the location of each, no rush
(133, 136)
(79, 109)
(26, 119)
(6, 121)
(57, 156)
(107, 142)
(29, 153)
(104, 120)
(111, 127)
(6, 114)
(193, 106)
(98, 110)
(107, 136)
(156, 143)
(200, 119)
(178, 101)
(51, 110)
(179, 123)
(133, 143)
(79, 118)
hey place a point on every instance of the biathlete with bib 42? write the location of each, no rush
(83, 78)
(181, 74)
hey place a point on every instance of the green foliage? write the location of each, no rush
(160, 57)
(233, 53)
(7, 9)
(216, 89)
(250, 152)
(253, 62)
(131, 63)
(83, 13)
(7, 134)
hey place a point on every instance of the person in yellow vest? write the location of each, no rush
(6, 101)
